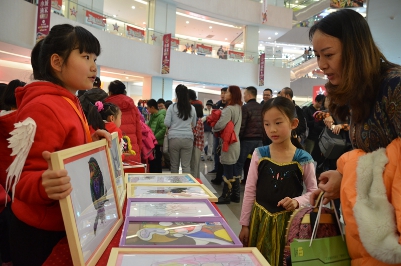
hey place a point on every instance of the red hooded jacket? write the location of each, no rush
(130, 122)
(227, 134)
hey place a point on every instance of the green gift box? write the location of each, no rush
(323, 251)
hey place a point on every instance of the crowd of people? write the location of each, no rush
(65, 106)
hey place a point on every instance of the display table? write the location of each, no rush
(61, 253)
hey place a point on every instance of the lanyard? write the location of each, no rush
(83, 120)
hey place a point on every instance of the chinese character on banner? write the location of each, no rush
(166, 53)
(264, 11)
(43, 20)
(262, 70)
(320, 89)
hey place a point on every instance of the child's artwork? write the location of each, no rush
(182, 191)
(91, 212)
(170, 207)
(180, 232)
(160, 178)
(187, 257)
(115, 152)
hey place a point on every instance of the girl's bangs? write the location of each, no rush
(86, 41)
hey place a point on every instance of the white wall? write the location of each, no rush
(304, 86)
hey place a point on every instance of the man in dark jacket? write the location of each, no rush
(301, 128)
(250, 133)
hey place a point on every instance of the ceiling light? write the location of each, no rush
(115, 73)
(258, 31)
(205, 20)
(114, 16)
(142, 2)
(275, 33)
(133, 7)
(187, 22)
(144, 23)
(225, 39)
(23, 56)
(296, 2)
(126, 77)
(210, 27)
(269, 38)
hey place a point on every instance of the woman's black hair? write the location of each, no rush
(286, 107)
(183, 105)
(117, 87)
(8, 100)
(199, 110)
(62, 40)
(96, 119)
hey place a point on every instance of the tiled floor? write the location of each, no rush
(232, 211)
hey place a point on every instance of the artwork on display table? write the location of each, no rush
(187, 256)
(117, 165)
(161, 178)
(91, 212)
(170, 208)
(173, 191)
(173, 232)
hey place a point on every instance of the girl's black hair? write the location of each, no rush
(8, 100)
(183, 105)
(96, 118)
(62, 40)
(117, 87)
(35, 60)
(286, 107)
(199, 110)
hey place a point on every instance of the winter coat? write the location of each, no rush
(227, 134)
(371, 204)
(156, 123)
(130, 122)
(251, 126)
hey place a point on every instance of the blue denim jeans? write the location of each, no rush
(247, 147)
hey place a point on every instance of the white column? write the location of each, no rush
(251, 42)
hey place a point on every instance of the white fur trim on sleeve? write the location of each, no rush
(373, 212)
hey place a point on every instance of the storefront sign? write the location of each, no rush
(95, 19)
(166, 53)
(175, 43)
(56, 4)
(134, 32)
(43, 20)
(203, 49)
(262, 70)
(235, 55)
(264, 11)
(320, 89)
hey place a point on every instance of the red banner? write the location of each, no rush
(320, 89)
(235, 55)
(95, 19)
(175, 43)
(56, 4)
(43, 20)
(166, 53)
(262, 70)
(134, 32)
(203, 49)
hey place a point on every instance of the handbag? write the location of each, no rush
(330, 250)
(331, 145)
(165, 142)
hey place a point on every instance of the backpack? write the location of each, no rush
(302, 221)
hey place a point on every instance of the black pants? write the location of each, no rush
(155, 166)
(30, 245)
(4, 234)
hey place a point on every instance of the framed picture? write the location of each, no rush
(117, 165)
(186, 256)
(91, 212)
(160, 178)
(170, 208)
(173, 191)
(175, 232)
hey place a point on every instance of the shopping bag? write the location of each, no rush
(323, 251)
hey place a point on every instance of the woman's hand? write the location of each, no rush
(288, 203)
(336, 129)
(244, 236)
(328, 121)
(99, 134)
(56, 183)
(330, 183)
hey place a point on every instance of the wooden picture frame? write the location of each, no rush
(170, 208)
(178, 232)
(117, 166)
(172, 191)
(91, 212)
(181, 256)
(160, 178)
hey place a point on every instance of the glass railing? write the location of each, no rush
(286, 62)
(101, 21)
(297, 5)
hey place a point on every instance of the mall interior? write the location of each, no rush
(131, 37)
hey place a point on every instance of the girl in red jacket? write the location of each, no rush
(49, 118)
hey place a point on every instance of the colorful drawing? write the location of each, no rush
(98, 191)
(177, 209)
(160, 179)
(169, 192)
(177, 233)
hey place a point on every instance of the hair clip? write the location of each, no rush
(99, 106)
